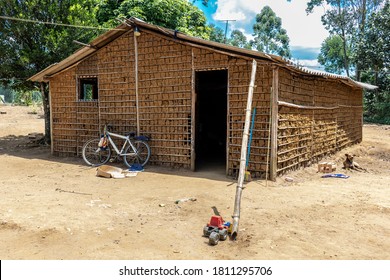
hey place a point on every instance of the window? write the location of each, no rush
(88, 89)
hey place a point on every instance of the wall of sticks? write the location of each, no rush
(64, 113)
(239, 78)
(317, 117)
(165, 93)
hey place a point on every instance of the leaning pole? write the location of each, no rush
(244, 146)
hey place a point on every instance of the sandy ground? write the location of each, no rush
(56, 208)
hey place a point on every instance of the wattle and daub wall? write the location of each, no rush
(328, 120)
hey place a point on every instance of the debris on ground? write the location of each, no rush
(335, 176)
(185, 200)
(35, 136)
(136, 167)
(289, 179)
(108, 171)
(326, 167)
(60, 190)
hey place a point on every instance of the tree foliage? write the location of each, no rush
(373, 52)
(331, 55)
(26, 47)
(347, 19)
(179, 15)
(238, 39)
(270, 37)
(216, 34)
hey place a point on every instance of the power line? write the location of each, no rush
(226, 28)
(55, 23)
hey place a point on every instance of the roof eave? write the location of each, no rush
(81, 53)
(366, 86)
(112, 34)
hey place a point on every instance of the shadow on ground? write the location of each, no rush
(24, 147)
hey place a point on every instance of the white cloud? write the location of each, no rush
(231, 10)
(308, 62)
(303, 30)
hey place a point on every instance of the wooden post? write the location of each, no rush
(244, 145)
(193, 104)
(312, 128)
(227, 126)
(269, 137)
(136, 80)
(274, 124)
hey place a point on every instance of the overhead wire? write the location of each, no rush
(50, 23)
(56, 23)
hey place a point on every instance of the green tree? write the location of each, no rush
(106, 12)
(373, 52)
(179, 15)
(216, 34)
(377, 103)
(30, 44)
(331, 55)
(347, 19)
(238, 39)
(270, 37)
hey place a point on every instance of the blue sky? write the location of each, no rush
(306, 32)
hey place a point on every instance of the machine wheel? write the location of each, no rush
(223, 234)
(206, 231)
(214, 238)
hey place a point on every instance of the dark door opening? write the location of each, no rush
(211, 118)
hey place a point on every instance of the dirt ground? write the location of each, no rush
(56, 208)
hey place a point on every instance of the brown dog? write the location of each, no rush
(349, 163)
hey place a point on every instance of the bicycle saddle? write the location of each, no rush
(142, 137)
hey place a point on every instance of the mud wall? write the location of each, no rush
(328, 118)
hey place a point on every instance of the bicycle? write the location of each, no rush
(135, 149)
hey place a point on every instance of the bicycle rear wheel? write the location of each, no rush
(94, 155)
(140, 156)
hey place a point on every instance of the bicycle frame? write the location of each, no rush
(127, 140)
(135, 150)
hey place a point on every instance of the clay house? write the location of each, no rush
(189, 96)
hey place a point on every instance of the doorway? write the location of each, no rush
(210, 118)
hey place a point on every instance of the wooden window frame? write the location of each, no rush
(82, 82)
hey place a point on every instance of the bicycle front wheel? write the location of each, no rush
(94, 155)
(141, 154)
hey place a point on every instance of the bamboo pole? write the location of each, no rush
(241, 174)
(136, 80)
